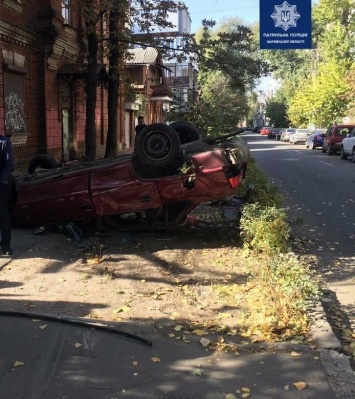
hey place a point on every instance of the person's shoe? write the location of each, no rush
(7, 250)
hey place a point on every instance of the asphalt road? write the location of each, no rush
(319, 194)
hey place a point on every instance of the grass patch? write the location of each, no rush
(277, 295)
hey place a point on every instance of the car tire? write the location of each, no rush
(324, 150)
(157, 145)
(187, 131)
(329, 150)
(353, 156)
(342, 154)
(313, 147)
(42, 161)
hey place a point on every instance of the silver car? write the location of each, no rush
(285, 135)
(299, 136)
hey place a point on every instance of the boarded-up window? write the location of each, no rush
(15, 117)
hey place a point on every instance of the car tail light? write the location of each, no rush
(234, 181)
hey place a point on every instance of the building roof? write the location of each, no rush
(147, 55)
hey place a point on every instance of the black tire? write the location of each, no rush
(157, 145)
(342, 154)
(42, 161)
(187, 131)
(353, 156)
(324, 150)
(329, 150)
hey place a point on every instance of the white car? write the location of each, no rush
(299, 136)
(347, 147)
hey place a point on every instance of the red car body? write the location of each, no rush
(122, 186)
(334, 137)
(265, 131)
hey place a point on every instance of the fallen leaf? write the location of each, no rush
(18, 363)
(200, 332)
(247, 390)
(122, 309)
(300, 385)
(43, 326)
(230, 396)
(205, 342)
(287, 387)
(135, 363)
(246, 395)
(293, 353)
(155, 359)
(178, 328)
(196, 372)
(78, 345)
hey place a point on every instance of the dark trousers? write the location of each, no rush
(5, 223)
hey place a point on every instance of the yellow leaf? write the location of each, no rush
(178, 328)
(43, 326)
(78, 345)
(18, 363)
(200, 332)
(287, 387)
(230, 396)
(36, 320)
(246, 390)
(300, 385)
(135, 363)
(246, 395)
(155, 359)
(295, 354)
(196, 372)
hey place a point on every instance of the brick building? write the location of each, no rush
(42, 76)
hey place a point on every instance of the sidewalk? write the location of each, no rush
(46, 358)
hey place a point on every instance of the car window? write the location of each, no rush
(342, 131)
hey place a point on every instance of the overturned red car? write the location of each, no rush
(170, 172)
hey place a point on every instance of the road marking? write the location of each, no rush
(326, 163)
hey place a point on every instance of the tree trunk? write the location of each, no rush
(91, 90)
(113, 86)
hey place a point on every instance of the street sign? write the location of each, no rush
(285, 24)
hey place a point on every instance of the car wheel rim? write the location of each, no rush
(157, 146)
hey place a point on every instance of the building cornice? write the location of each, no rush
(14, 35)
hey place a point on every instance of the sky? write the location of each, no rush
(219, 9)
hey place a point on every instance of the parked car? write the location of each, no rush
(265, 130)
(285, 135)
(279, 133)
(315, 139)
(347, 147)
(157, 185)
(334, 136)
(273, 133)
(299, 136)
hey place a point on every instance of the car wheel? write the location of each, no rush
(323, 149)
(42, 161)
(353, 156)
(313, 147)
(329, 150)
(187, 131)
(157, 145)
(342, 154)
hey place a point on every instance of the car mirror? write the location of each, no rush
(348, 135)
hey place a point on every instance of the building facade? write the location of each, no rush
(180, 76)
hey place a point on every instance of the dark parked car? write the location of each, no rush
(316, 138)
(157, 185)
(334, 136)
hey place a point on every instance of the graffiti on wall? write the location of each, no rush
(15, 113)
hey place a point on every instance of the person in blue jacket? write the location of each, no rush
(6, 169)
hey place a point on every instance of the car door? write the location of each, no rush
(349, 142)
(56, 197)
(115, 189)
